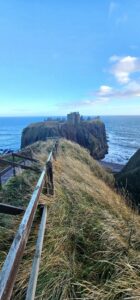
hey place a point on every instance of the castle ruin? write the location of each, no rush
(73, 118)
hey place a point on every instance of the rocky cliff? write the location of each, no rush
(129, 178)
(89, 134)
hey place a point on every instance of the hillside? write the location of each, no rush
(92, 241)
(128, 178)
(89, 134)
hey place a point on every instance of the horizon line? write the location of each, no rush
(45, 116)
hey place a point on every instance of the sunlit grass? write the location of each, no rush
(92, 240)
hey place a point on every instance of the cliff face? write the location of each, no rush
(91, 135)
(129, 178)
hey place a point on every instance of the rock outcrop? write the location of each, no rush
(129, 178)
(89, 134)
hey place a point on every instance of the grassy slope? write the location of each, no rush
(92, 242)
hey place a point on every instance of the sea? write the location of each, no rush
(123, 134)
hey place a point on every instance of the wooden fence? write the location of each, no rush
(12, 261)
(9, 160)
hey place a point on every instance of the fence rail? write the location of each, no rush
(24, 157)
(3, 172)
(35, 266)
(12, 164)
(10, 209)
(11, 264)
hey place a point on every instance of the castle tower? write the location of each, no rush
(73, 118)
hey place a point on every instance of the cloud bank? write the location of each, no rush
(123, 69)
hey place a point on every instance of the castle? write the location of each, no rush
(73, 118)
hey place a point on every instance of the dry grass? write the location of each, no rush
(92, 240)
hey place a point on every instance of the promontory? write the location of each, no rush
(90, 134)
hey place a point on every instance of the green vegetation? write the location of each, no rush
(92, 241)
(129, 179)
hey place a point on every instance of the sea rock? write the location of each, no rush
(129, 178)
(89, 134)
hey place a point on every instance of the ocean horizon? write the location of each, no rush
(123, 134)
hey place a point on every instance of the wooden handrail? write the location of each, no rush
(11, 265)
(10, 209)
(24, 157)
(2, 172)
(13, 164)
(12, 261)
(35, 266)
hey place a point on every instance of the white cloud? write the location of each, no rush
(105, 93)
(124, 67)
(132, 89)
(91, 101)
(104, 90)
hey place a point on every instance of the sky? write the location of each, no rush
(62, 56)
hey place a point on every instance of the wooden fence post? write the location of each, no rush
(55, 150)
(49, 172)
(56, 146)
(54, 153)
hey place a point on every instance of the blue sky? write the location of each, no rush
(61, 56)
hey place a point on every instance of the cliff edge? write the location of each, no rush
(89, 134)
(128, 178)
